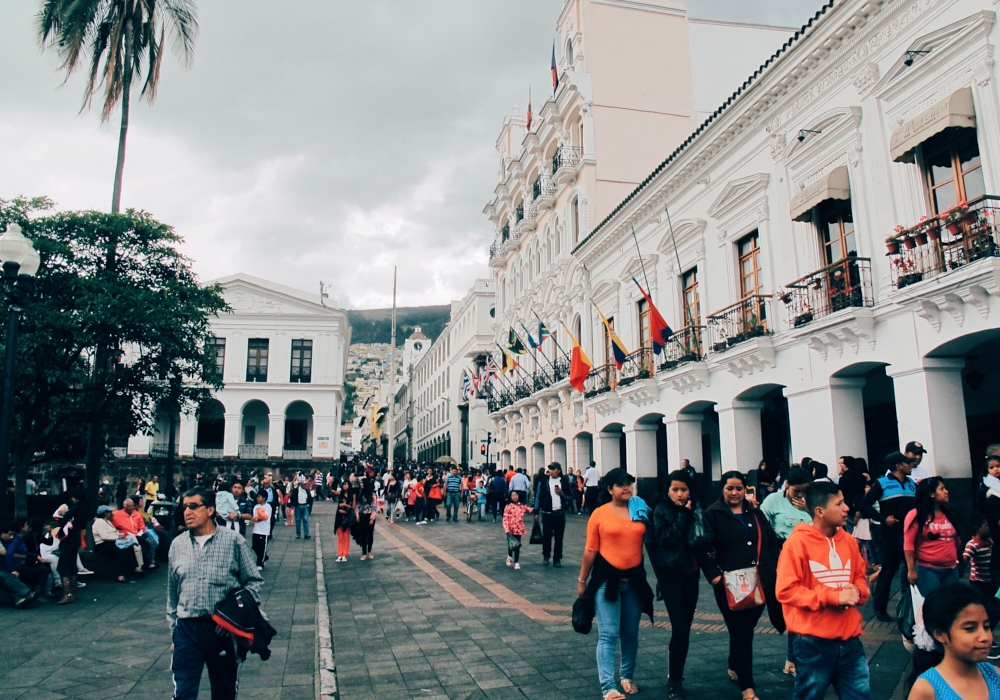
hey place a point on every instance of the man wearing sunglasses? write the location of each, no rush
(207, 563)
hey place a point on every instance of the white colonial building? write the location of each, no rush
(282, 355)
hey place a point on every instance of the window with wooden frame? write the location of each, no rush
(575, 215)
(257, 349)
(751, 281)
(645, 339)
(692, 303)
(217, 346)
(835, 222)
(953, 169)
(301, 371)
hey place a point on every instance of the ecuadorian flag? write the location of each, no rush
(617, 346)
(659, 329)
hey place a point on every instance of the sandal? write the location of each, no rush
(732, 676)
(629, 686)
(613, 695)
(789, 669)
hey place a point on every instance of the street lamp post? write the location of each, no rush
(20, 263)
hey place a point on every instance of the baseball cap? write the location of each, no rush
(101, 510)
(894, 458)
(915, 447)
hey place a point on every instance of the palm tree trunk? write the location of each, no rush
(116, 197)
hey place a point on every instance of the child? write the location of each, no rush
(955, 617)
(978, 552)
(821, 584)
(261, 527)
(991, 482)
(513, 525)
(342, 525)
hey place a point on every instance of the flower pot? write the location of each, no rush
(719, 347)
(892, 247)
(920, 238)
(954, 228)
(909, 243)
(786, 298)
(803, 319)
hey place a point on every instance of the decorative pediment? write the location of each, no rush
(635, 269)
(836, 128)
(936, 43)
(683, 232)
(739, 194)
(249, 295)
(606, 296)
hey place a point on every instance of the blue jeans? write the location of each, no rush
(616, 620)
(929, 579)
(196, 645)
(451, 504)
(301, 520)
(820, 662)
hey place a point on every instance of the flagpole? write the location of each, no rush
(680, 271)
(537, 347)
(392, 377)
(642, 265)
(552, 336)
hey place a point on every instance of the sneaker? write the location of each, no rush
(545, 562)
(260, 568)
(517, 567)
(298, 537)
(510, 561)
(84, 572)
(421, 522)
(883, 617)
(557, 565)
(308, 537)
(81, 584)
(675, 691)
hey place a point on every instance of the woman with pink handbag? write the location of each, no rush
(742, 565)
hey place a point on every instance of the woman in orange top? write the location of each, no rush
(612, 559)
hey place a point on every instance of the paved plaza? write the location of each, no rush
(437, 614)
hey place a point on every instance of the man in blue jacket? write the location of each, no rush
(551, 499)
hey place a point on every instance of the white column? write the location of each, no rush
(839, 409)
(740, 444)
(607, 453)
(640, 450)
(275, 434)
(139, 445)
(187, 435)
(326, 440)
(558, 449)
(583, 448)
(231, 438)
(684, 441)
(930, 408)
(537, 457)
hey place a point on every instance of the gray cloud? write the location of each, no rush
(310, 140)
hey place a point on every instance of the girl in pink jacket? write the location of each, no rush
(513, 525)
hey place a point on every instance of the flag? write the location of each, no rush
(659, 329)
(579, 365)
(490, 370)
(466, 385)
(509, 363)
(528, 127)
(514, 343)
(617, 346)
(555, 71)
(531, 341)
(543, 333)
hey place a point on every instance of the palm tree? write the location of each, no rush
(116, 40)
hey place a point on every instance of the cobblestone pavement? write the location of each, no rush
(114, 642)
(438, 614)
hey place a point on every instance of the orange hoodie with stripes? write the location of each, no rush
(812, 570)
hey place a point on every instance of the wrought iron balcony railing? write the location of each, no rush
(159, 450)
(519, 213)
(960, 236)
(504, 392)
(505, 233)
(253, 452)
(297, 453)
(542, 187)
(748, 318)
(843, 284)
(566, 157)
(600, 380)
(638, 365)
(207, 452)
(685, 345)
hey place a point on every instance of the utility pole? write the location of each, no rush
(392, 379)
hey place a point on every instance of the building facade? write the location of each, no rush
(800, 329)
(283, 357)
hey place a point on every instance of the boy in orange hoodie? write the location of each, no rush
(821, 585)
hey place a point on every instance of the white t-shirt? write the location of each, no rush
(262, 527)
(202, 539)
(592, 477)
(556, 498)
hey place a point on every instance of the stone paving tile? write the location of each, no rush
(439, 608)
(114, 642)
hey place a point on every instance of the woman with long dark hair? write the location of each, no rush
(931, 538)
(367, 515)
(742, 540)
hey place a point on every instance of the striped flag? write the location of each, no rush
(579, 365)
(528, 127)
(617, 346)
(490, 370)
(467, 385)
(555, 71)
(659, 329)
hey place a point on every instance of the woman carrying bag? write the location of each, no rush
(741, 564)
(680, 532)
(617, 587)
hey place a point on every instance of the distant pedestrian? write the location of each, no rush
(367, 515)
(301, 499)
(821, 585)
(977, 554)
(496, 490)
(513, 526)
(453, 494)
(207, 563)
(591, 483)
(342, 524)
(520, 484)
(551, 498)
(261, 528)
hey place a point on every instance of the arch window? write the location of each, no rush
(575, 216)
(569, 53)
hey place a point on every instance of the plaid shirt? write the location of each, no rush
(201, 577)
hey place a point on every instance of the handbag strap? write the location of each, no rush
(760, 536)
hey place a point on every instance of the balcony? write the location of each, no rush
(944, 243)
(207, 452)
(638, 365)
(564, 163)
(501, 393)
(159, 450)
(253, 452)
(543, 193)
(297, 453)
(600, 380)
(844, 284)
(524, 220)
(739, 322)
(684, 346)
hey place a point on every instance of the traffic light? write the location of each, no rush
(482, 449)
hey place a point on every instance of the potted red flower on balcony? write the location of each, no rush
(919, 234)
(892, 241)
(953, 217)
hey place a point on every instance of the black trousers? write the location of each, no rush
(892, 556)
(259, 544)
(590, 499)
(740, 624)
(124, 559)
(196, 645)
(367, 523)
(553, 526)
(680, 594)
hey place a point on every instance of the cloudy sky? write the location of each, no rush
(311, 139)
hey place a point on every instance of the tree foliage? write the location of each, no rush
(114, 281)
